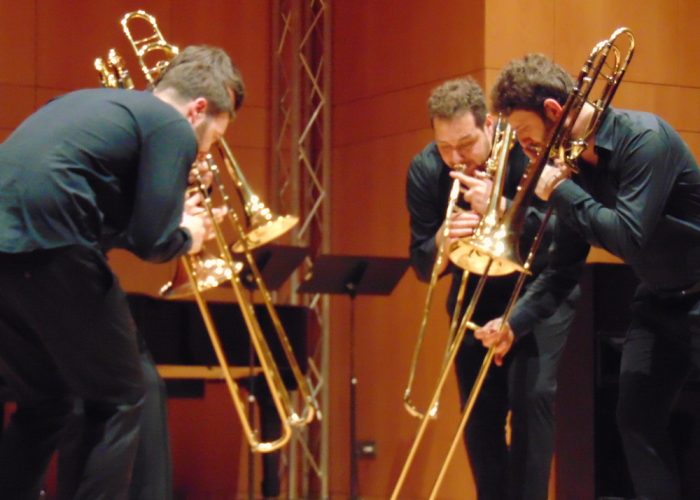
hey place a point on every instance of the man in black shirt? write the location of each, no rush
(526, 383)
(89, 171)
(638, 197)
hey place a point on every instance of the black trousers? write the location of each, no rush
(152, 477)
(661, 348)
(66, 334)
(526, 386)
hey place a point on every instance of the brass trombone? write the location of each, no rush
(202, 272)
(407, 399)
(263, 225)
(496, 167)
(153, 43)
(113, 72)
(603, 71)
(501, 142)
(280, 395)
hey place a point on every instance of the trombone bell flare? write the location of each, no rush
(209, 272)
(265, 232)
(499, 249)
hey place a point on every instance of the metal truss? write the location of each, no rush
(300, 181)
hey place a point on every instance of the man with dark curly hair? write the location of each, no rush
(637, 196)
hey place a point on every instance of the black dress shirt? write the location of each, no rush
(641, 202)
(101, 168)
(427, 192)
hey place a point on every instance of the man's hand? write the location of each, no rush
(477, 190)
(498, 334)
(200, 172)
(551, 177)
(196, 220)
(461, 225)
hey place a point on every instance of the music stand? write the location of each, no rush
(275, 263)
(354, 275)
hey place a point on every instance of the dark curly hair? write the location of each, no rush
(525, 84)
(455, 97)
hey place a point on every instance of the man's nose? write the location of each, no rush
(457, 158)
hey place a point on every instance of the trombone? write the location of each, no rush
(407, 399)
(203, 272)
(496, 167)
(263, 225)
(113, 72)
(502, 141)
(602, 71)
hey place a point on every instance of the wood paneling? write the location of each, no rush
(241, 27)
(658, 58)
(17, 102)
(380, 46)
(208, 447)
(17, 42)
(69, 39)
(513, 28)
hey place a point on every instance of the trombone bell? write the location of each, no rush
(496, 246)
(209, 272)
(271, 228)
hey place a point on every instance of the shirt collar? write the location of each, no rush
(604, 135)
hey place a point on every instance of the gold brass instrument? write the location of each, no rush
(496, 168)
(502, 142)
(113, 72)
(199, 269)
(469, 253)
(263, 225)
(151, 46)
(280, 395)
(602, 71)
(437, 266)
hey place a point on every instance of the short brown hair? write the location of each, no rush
(204, 71)
(456, 97)
(525, 84)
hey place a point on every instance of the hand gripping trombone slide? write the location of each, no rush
(602, 71)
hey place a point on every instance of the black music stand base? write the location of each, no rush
(354, 275)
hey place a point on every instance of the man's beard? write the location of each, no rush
(200, 130)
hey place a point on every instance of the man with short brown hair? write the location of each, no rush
(90, 171)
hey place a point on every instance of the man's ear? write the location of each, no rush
(552, 109)
(489, 123)
(196, 110)
(201, 104)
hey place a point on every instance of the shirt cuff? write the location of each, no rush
(521, 322)
(568, 192)
(187, 241)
